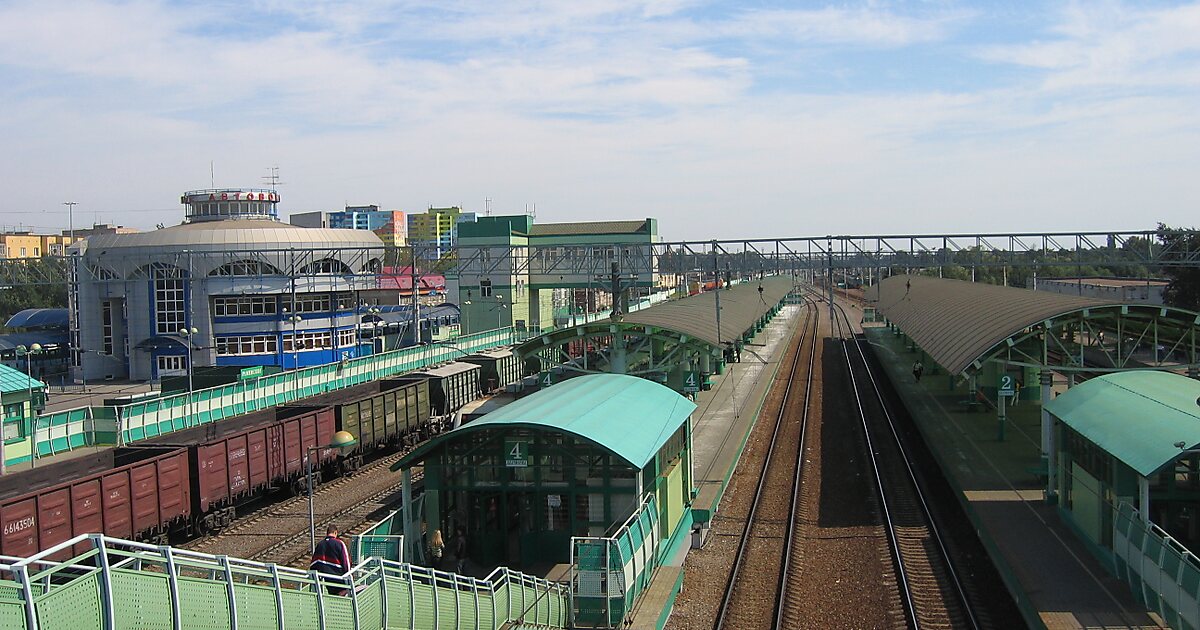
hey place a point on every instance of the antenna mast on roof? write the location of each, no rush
(487, 206)
(272, 177)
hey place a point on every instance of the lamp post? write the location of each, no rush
(28, 354)
(186, 335)
(293, 319)
(374, 311)
(499, 305)
(466, 314)
(341, 440)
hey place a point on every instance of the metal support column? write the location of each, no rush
(406, 514)
(1049, 448)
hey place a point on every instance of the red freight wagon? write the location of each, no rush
(247, 455)
(133, 493)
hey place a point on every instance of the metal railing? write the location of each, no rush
(100, 425)
(610, 573)
(117, 583)
(1162, 573)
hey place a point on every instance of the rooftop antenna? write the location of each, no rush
(272, 177)
(487, 206)
(212, 174)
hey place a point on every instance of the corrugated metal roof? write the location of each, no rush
(1138, 416)
(17, 381)
(957, 322)
(629, 416)
(233, 234)
(588, 227)
(696, 316)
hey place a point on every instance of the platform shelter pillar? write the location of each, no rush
(1049, 448)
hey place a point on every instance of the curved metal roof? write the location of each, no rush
(10, 341)
(696, 316)
(628, 416)
(39, 318)
(958, 322)
(1138, 416)
(237, 234)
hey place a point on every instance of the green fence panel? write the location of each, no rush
(75, 608)
(255, 606)
(300, 611)
(203, 603)
(140, 598)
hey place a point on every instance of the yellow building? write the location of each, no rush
(30, 245)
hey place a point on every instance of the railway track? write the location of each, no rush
(748, 602)
(932, 593)
(279, 533)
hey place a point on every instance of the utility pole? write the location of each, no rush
(71, 222)
(829, 255)
(416, 300)
(717, 280)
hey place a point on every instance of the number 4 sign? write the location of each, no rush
(691, 382)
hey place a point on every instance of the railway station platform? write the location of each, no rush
(1054, 579)
(721, 426)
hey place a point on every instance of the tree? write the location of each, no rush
(1184, 288)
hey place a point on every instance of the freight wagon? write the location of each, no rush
(132, 493)
(450, 386)
(498, 368)
(381, 414)
(236, 459)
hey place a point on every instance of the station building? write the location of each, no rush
(510, 267)
(256, 291)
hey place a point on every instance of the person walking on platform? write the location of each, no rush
(437, 547)
(331, 557)
(918, 369)
(1016, 392)
(460, 550)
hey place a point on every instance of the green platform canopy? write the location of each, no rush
(12, 381)
(1138, 416)
(628, 416)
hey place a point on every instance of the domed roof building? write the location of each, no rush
(255, 291)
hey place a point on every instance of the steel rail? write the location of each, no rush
(906, 596)
(743, 544)
(959, 589)
(794, 506)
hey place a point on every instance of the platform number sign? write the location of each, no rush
(546, 379)
(1008, 385)
(516, 453)
(691, 382)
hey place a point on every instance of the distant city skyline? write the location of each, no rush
(722, 120)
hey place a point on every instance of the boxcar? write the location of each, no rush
(497, 369)
(243, 456)
(381, 412)
(450, 386)
(133, 493)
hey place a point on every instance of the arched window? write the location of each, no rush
(246, 268)
(325, 266)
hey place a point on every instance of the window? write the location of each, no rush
(245, 268)
(37, 251)
(106, 326)
(22, 252)
(310, 303)
(325, 265)
(306, 341)
(169, 314)
(171, 365)
(244, 305)
(345, 338)
(485, 288)
(246, 345)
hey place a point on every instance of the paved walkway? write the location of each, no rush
(1057, 582)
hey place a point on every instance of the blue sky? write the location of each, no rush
(752, 119)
